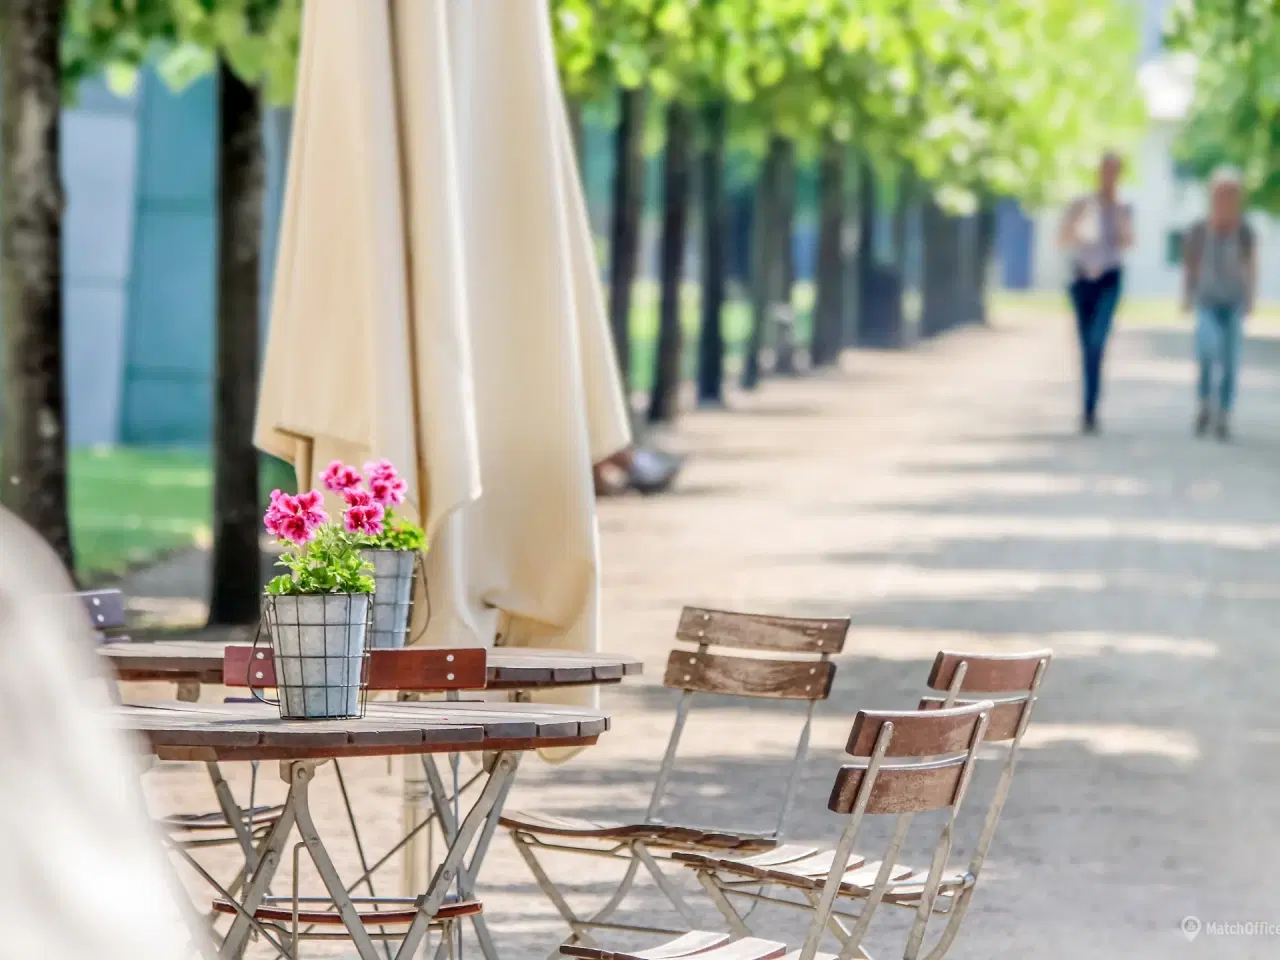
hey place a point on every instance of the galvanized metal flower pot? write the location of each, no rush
(392, 596)
(319, 644)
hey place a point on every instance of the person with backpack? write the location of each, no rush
(1096, 230)
(1220, 275)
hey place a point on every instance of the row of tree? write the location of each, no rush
(955, 103)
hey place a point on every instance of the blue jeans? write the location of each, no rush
(1219, 331)
(1095, 302)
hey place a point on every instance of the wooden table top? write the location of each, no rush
(200, 661)
(254, 731)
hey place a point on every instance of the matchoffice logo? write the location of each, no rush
(1192, 927)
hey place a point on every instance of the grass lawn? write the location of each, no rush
(130, 504)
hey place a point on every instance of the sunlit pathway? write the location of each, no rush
(942, 498)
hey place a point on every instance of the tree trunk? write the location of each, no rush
(866, 230)
(901, 210)
(33, 441)
(577, 132)
(714, 229)
(828, 321)
(784, 357)
(237, 565)
(664, 399)
(624, 232)
(880, 320)
(983, 247)
(850, 287)
(765, 275)
(942, 308)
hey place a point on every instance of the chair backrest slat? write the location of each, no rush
(987, 672)
(749, 677)
(915, 733)
(752, 631)
(104, 607)
(1005, 717)
(900, 788)
(412, 669)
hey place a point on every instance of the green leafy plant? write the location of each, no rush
(398, 534)
(331, 563)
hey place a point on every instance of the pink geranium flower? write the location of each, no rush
(338, 477)
(385, 483)
(365, 519)
(295, 519)
(358, 497)
(378, 468)
(295, 530)
(311, 508)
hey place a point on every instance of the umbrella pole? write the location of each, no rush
(416, 862)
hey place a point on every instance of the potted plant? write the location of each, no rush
(390, 544)
(318, 613)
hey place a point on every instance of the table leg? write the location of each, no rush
(301, 774)
(234, 814)
(237, 938)
(480, 820)
(468, 871)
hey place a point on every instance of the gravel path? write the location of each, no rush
(942, 498)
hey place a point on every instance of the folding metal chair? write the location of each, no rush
(905, 763)
(807, 676)
(1012, 681)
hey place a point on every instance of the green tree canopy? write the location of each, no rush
(1235, 111)
(259, 40)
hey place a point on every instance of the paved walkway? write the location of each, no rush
(943, 498)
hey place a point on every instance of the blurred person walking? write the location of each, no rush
(1096, 229)
(1220, 274)
(83, 875)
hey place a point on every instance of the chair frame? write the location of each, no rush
(906, 763)
(728, 877)
(694, 672)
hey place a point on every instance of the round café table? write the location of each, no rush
(215, 733)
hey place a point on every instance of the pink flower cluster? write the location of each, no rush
(295, 519)
(385, 483)
(363, 513)
(366, 509)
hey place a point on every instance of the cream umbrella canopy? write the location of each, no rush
(438, 304)
(367, 351)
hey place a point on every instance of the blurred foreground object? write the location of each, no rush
(83, 874)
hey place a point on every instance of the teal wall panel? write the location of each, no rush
(99, 168)
(99, 137)
(169, 349)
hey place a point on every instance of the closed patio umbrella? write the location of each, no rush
(437, 303)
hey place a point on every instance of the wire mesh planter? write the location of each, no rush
(319, 644)
(393, 572)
